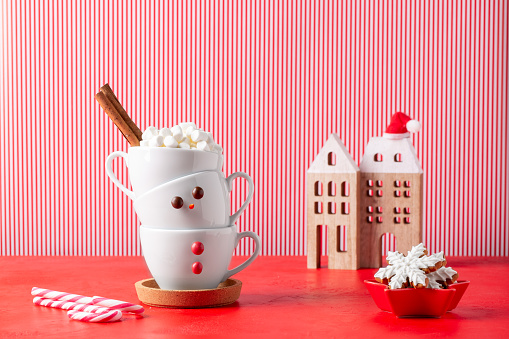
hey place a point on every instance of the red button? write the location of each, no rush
(197, 267)
(197, 248)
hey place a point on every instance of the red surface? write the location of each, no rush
(279, 297)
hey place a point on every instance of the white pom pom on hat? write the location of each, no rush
(413, 126)
(400, 126)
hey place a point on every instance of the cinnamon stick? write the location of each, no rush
(106, 89)
(117, 119)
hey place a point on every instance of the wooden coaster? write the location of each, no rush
(150, 294)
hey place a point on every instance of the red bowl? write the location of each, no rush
(410, 302)
(377, 291)
(460, 287)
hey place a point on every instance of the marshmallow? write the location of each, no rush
(203, 146)
(177, 133)
(184, 145)
(185, 125)
(210, 138)
(170, 141)
(164, 132)
(144, 143)
(198, 136)
(189, 131)
(216, 148)
(156, 141)
(149, 133)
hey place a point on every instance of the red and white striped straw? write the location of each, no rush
(69, 305)
(63, 296)
(117, 305)
(88, 317)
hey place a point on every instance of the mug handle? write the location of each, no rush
(253, 256)
(236, 215)
(109, 171)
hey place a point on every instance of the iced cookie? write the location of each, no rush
(442, 278)
(410, 270)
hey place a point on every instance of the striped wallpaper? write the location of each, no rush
(271, 80)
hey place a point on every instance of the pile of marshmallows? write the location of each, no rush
(184, 135)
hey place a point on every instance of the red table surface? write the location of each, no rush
(280, 297)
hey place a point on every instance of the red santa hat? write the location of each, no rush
(400, 126)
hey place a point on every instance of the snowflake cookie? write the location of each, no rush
(412, 270)
(442, 277)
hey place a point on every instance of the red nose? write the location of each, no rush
(191, 206)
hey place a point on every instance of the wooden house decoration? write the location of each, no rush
(332, 203)
(391, 191)
(385, 196)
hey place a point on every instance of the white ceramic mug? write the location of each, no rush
(193, 259)
(150, 167)
(210, 208)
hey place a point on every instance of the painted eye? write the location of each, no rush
(177, 202)
(198, 192)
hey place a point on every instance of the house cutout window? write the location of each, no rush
(345, 208)
(397, 193)
(332, 207)
(387, 243)
(407, 194)
(331, 187)
(318, 207)
(370, 193)
(397, 210)
(331, 159)
(345, 189)
(379, 209)
(407, 183)
(397, 220)
(407, 220)
(379, 193)
(407, 210)
(379, 220)
(318, 188)
(397, 183)
(370, 209)
(341, 238)
(369, 219)
(370, 183)
(321, 241)
(397, 157)
(379, 183)
(378, 157)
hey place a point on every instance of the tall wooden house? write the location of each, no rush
(383, 195)
(332, 206)
(391, 191)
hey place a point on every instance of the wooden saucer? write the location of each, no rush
(150, 294)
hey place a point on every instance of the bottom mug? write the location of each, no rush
(192, 259)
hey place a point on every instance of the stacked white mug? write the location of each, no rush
(182, 199)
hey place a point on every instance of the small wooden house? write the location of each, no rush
(332, 206)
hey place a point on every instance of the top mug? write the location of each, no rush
(150, 167)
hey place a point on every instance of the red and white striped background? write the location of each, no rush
(271, 80)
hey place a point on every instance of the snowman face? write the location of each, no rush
(198, 200)
(197, 193)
